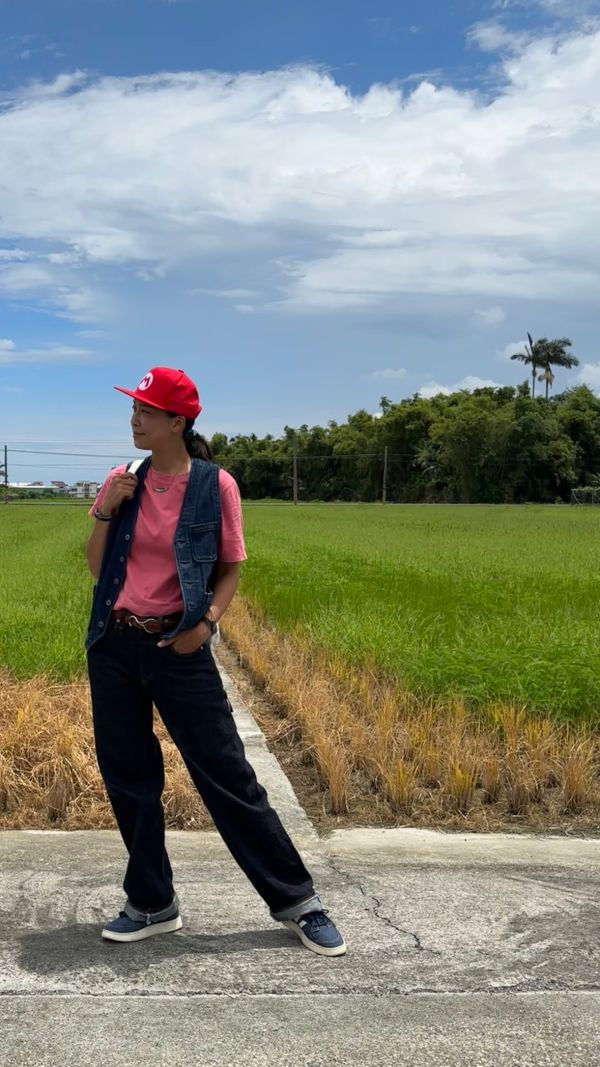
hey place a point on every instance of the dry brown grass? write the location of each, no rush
(426, 763)
(48, 771)
(579, 773)
(379, 754)
(400, 782)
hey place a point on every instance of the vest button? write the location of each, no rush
(100, 624)
(121, 559)
(116, 581)
(128, 537)
(108, 603)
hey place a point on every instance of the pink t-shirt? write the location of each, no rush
(151, 585)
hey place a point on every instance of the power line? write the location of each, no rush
(79, 455)
(239, 457)
(51, 466)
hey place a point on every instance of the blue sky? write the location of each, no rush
(304, 205)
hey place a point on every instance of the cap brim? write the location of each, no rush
(137, 395)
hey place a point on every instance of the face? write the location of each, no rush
(152, 428)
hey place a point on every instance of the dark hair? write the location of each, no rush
(197, 445)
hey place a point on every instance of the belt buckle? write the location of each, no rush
(142, 622)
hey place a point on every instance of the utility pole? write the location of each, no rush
(295, 471)
(385, 475)
(5, 475)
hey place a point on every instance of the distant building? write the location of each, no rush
(83, 490)
(80, 491)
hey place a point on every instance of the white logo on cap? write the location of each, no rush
(146, 381)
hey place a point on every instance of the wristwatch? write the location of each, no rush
(211, 623)
(101, 516)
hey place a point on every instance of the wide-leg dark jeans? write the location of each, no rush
(128, 673)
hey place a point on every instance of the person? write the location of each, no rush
(165, 552)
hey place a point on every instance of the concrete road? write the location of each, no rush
(463, 950)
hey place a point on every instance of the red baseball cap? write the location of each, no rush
(169, 390)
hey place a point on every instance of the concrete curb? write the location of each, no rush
(436, 846)
(268, 770)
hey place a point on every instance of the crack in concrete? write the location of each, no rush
(560, 888)
(369, 896)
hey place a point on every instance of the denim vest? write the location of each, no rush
(195, 545)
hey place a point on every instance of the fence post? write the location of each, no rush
(385, 474)
(295, 471)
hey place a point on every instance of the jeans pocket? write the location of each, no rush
(185, 655)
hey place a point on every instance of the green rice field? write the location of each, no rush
(489, 603)
(46, 589)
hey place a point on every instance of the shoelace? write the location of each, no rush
(318, 918)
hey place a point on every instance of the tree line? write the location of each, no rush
(492, 445)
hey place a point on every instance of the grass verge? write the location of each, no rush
(49, 778)
(384, 756)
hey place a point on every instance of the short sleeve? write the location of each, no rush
(104, 487)
(231, 547)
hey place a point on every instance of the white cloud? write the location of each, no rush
(469, 382)
(54, 287)
(6, 345)
(13, 255)
(48, 353)
(492, 36)
(389, 373)
(492, 316)
(562, 9)
(341, 201)
(511, 349)
(589, 374)
(228, 294)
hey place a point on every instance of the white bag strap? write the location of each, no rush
(133, 466)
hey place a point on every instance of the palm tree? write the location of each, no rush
(556, 353)
(547, 377)
(531, 358)
(542, 354)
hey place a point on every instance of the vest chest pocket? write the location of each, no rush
(203, 541)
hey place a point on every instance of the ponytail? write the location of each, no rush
(197, 445)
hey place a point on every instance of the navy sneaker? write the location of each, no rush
(318, 933)
(124, 928)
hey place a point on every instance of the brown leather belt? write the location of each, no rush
(151, 624)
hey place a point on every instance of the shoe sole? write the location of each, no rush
(167, 927)
(320, 950)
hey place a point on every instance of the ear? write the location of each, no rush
(178, 424)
